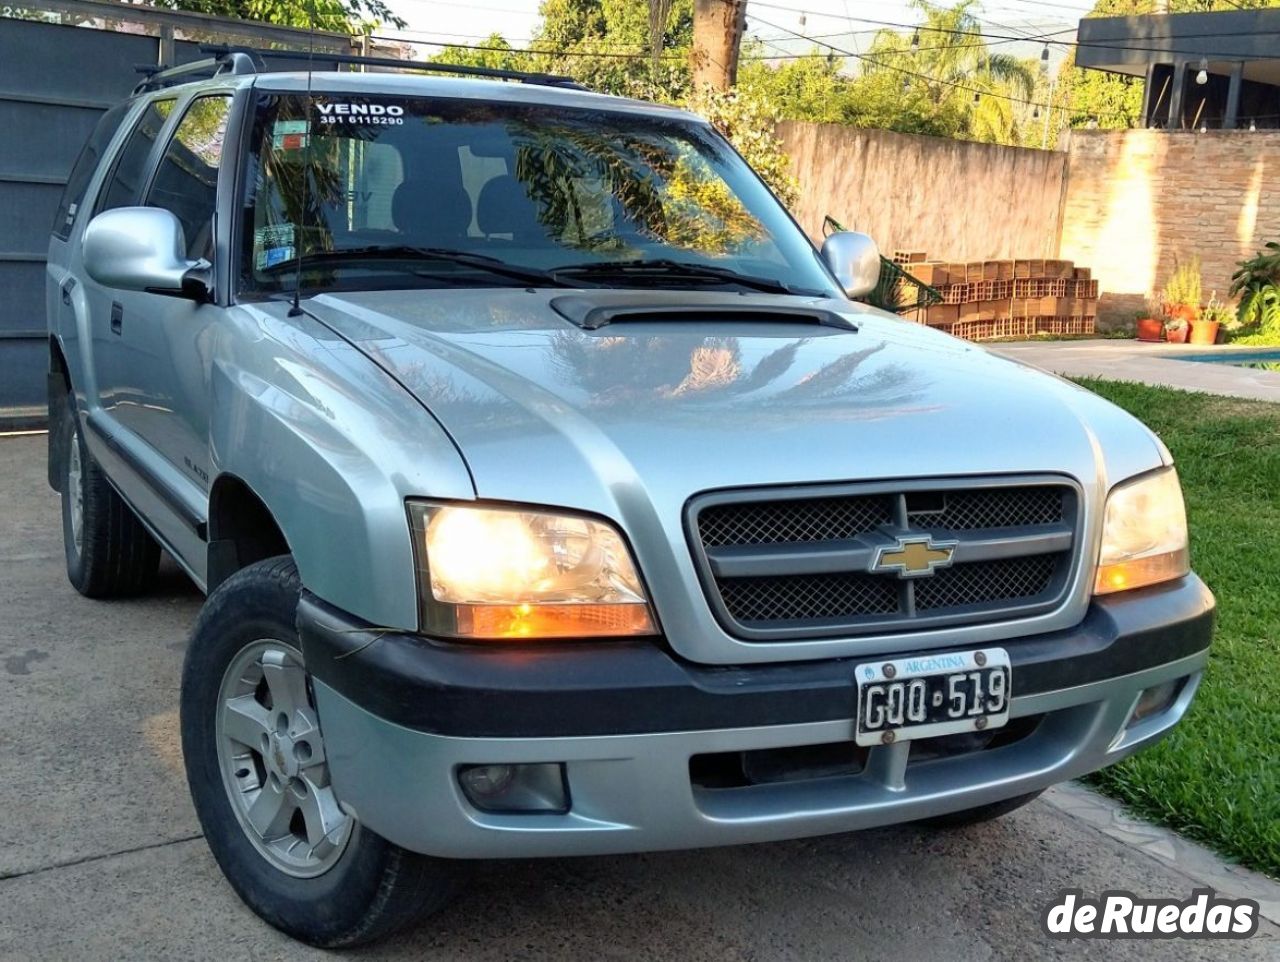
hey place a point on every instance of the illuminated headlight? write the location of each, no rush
(513, 573)
(1144, 534)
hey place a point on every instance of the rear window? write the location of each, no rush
(90, 156)
(131, 165)
(186, 181)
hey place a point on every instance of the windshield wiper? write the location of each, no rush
(529, 275)
(664, 267)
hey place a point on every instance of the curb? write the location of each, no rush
(1194, 861)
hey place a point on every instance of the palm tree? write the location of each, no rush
(957, 70)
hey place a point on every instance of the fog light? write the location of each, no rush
(516, 788)
(1155, 700)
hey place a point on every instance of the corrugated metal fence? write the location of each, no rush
(57, 75)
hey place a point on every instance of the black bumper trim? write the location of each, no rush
(632, 687)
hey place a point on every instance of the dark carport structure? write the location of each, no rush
(1217, 70)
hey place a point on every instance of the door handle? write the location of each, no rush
(117, 317)
(68, 286)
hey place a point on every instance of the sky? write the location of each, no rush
(841, 22)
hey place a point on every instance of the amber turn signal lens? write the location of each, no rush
(1141, 572)
(527, 622)
(1144, 534)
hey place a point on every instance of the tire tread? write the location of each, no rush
(118, 557)
(390, 887)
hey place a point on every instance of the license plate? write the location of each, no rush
(931, 695)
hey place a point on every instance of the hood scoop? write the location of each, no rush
(596, 310)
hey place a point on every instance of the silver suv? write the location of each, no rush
(552, 496)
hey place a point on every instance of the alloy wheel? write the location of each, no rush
(273, 761)
(75, 490)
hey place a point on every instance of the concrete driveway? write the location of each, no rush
(100, 856)
(1161, 364)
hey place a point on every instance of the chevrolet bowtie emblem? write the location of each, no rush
(911, 557)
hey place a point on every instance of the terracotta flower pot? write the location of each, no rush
(1150, 329)
(1176, 335)
(1188, 312)
(1204, 332)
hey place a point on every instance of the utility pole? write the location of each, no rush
(718, 26)
(1048, 110)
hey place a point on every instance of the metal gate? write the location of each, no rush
(57, 75)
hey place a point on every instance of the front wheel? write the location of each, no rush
(259, 777)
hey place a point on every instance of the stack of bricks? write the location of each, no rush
(984, 300)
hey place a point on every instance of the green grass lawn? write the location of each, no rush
(1217, 777)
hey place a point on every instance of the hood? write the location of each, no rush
(640, 414)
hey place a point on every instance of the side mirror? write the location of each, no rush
(143, 249)
(854, 259)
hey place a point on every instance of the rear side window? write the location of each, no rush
(90, 156)
(186, 181)
(131, 164)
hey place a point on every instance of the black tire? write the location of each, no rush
(983, 813)
(115, 555)
(374, 887)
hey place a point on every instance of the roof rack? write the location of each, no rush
(225, 62)
(261, 55)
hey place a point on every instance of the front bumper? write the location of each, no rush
(401, 714)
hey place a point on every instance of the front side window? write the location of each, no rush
(85, 165)
(122, 189)
(380, 191)
(186, 181)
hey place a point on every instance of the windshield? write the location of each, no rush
(367, 183)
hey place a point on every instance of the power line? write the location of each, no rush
(610, 49)
(525, 51)
(466, 4)
(1116, 45)
(893, 53)
(1079, 11)
(983, 38)
(934, 80)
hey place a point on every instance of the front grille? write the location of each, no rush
(981, 582)
(780, 522)
(992, 508)
(801, 565)
(808, 596)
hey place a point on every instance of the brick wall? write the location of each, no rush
(1138, 201)
(1128, 204)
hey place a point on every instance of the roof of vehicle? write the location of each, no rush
(428, 85)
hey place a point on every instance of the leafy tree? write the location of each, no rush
(928, 90)
(497, 55)
(749, 122)
(606, 45)
(1087, 97)
(807, 88)
(342, 16)
(951, 67)
(892, 101)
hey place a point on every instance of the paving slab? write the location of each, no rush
(1158, 364)
(101, 858)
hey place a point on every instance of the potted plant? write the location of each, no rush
(1176, 329)
(1182, 292)
(1204, 329)
(1150, 323)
